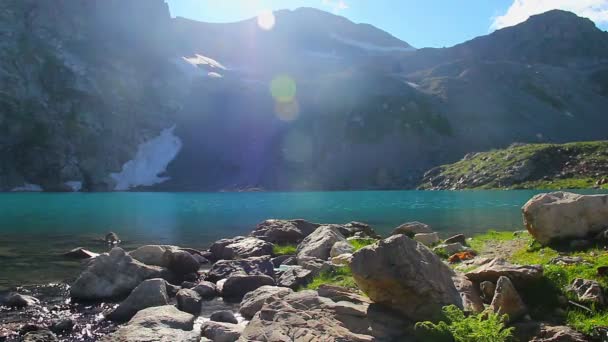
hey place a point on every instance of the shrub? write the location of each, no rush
(484, 327)
(360, 243)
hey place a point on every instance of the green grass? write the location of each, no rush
(341, 276)
(479, 242)
(284, 249)
(585, 322)
(360, 243)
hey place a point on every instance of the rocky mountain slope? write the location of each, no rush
(96, 98)
(521, 166)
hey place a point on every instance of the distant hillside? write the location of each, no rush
(576, 165)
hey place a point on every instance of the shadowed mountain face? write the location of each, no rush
(313, 102)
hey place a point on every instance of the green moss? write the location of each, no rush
(360, 243)
(341, 276)
(284, 249)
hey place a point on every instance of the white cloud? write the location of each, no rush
(521, 10)
(336, 5)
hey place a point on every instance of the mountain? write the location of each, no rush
(577, 165)
(117, 95)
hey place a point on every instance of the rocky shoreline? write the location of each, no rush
(293, 280)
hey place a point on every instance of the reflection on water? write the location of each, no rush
(35, 229)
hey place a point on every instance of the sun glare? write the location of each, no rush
(266, 20)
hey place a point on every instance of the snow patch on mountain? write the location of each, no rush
(75, 186)
(370, 47)
(151, 160)
(28, 187)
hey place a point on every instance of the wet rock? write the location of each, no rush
(255, 265)
(284, 231)
(342, 259)
(588, 291)
(80, 253)
(236, 286)
(154, 255)
(406, 276)
(224, 316)
(222, 332)
(507, 300)
(189, 301)
(150, 293)
(240, 247)
(295, 277)
(206, 289)
(520, 275)
(160, 323)
(471, 298)
(62, 326)
(305, 316)
(40, 336)
(19, 301)
(112, 275)
(319, 243)
(458, 238)
(181, 262)
(412, 228)
(487, 290)
(253, 301)
(427, 239)
(564, 215)
(341, 247)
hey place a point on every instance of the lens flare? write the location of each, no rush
(283, 88)
(287, 111)
(266, 20)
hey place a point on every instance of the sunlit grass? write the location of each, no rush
(360, 243)
(341, 276)
(284, 249)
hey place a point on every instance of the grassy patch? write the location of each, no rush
(360, 243)
(586, 322)
(479, 242)
(341, 276)
(284, 249)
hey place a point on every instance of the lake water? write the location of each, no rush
(36, 228)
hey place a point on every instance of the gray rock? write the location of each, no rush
(406, 276)
(341, 247)
(225, 316)
(412, 228)
(253, 301)
(221, 332)
(450, 249)
(427, 239)
(507, 300)
(568, 260)
(112, 275)
(160, 323)
(19, 301)
(342, 259)
(558, 334)
(181, 262)
(40, 336)
(153, 255)
(458, 238)
(588, 291)
(280, 260)
(342, 294)
(151, 292)
(295, 277)
(80, 253)
(471, 298)
(361, 230)
(240, 247)
(255, 265)
(237, 285)
(520, 275)
(284, 231)
(189, 301)
(488, 289)
(319, 243)
(206, 289)
(61, 326)
(315, 265)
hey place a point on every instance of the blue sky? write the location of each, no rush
(422, 23)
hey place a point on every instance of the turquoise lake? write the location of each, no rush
(36, 228)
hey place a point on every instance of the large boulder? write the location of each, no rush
(221, 331)
(237, 285)
(564, 215)
(284, 231)
(507, 301)
(206, 289)
(319, 243)
(588, 291)
(240, 247)
(305, 316)
(412, 228)
(469, 293)
(360, 230)
(189, 301)
(112, 275)
(295, 277)
(160, 323)
(341, 247)
(181, 262)
(254, 300)
(255, 265)
(406, 276)
(520, 275)
(225, 316)
(151, 292)
(153, 254)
